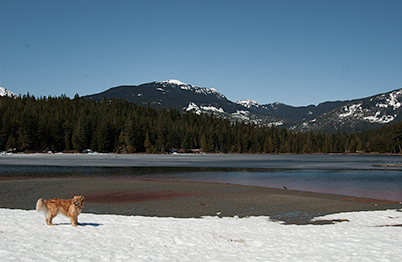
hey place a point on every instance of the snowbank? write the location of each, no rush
(367, 236)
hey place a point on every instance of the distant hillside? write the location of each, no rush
(30, 124)
(327, 117)
(291, 113)
(358, 115)
(169, 94)
(177, 95)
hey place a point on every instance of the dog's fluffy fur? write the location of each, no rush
(68, 207)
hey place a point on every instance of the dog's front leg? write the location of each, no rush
(74, 221)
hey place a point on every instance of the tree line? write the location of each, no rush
(61, 124)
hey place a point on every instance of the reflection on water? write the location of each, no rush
(378, 184)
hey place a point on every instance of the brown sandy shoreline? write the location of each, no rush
(183, 199)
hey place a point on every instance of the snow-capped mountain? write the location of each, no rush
(332, 116)
(167, 94)
(6, 92)
(184, 97)
(196, 89)
(357, 115)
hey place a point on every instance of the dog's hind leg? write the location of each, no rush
(49, 218)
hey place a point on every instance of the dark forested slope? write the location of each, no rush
(116, 125)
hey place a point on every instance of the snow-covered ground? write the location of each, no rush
(368, 236)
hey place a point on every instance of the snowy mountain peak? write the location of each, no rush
(5, 92)
(248, 103)
(196, 89)
(174, 81)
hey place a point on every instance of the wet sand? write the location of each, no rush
(182, 199)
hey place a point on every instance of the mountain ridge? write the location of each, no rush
(328, 117)
(325, 117)
(359, 114)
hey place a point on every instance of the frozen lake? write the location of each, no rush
(353, 175)
(206, 160)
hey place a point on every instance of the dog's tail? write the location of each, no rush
(40, 204)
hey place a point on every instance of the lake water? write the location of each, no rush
(370, 183)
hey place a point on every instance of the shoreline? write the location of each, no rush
(184, 199)
(271, 161)
(114, 194)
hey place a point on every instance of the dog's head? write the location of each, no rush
(78, 201)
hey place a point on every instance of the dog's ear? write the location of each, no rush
(78, 198)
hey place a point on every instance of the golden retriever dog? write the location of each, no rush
(68, 207)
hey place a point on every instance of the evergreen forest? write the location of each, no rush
(61, 124)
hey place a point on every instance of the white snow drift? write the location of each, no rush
(368, 236)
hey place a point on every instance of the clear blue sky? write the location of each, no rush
(294, 52)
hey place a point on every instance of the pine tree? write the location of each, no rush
(149, 148)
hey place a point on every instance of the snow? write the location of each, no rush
(377, 113)
(212, 108)
(242, 112)
(368, 236)
(391, 99)
(277, 123)
(193, 106)
(198, 110)
(379, 118)
(196, 89)
(174, 81)
(351, 110)
(6, 92)
(242, 115)
(248, 103)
